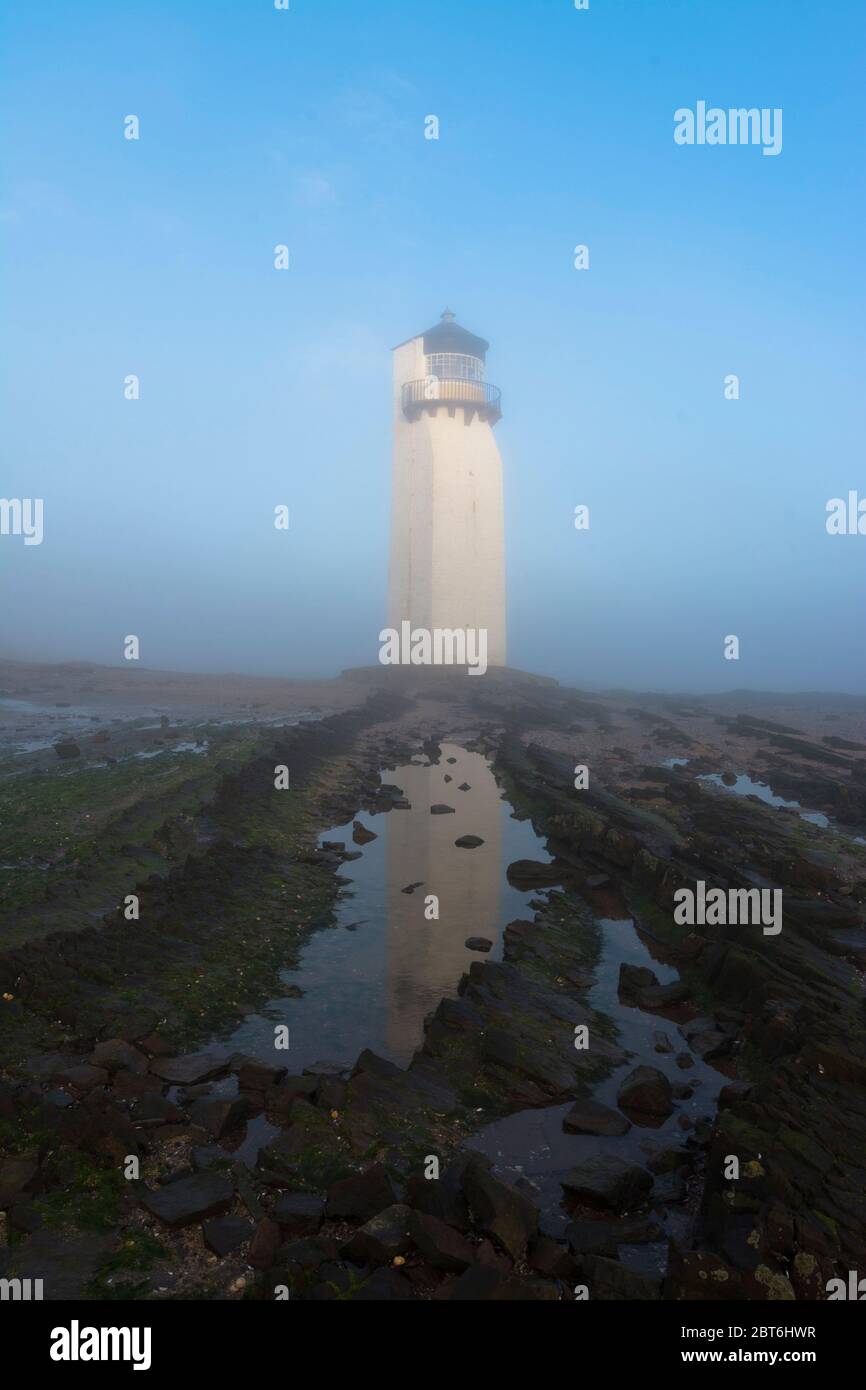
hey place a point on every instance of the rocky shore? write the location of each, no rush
(743, 1177)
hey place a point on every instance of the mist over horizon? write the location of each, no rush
(258, 388)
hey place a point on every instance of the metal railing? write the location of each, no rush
(439, 390)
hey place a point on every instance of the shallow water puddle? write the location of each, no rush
(372, 980)
(532, 1143)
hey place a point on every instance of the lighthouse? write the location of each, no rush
(447, 568)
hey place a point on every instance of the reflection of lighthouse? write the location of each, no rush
(426, 958)
(447, 539)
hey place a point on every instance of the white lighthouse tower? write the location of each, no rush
(447, 536)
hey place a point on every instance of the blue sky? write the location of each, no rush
(258, 387)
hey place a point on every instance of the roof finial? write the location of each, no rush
(447, 316)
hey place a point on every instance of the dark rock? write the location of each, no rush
(383, 1237)
(17, 1175)
(670, 1188)
(361, 835)
(298, 1213)
(590, 1117)
(733, 1092)
(190, 1199)
(326, 1068)
(188, 1071)
(646, 1091)
(117, 1055)
(469, 842)
(661, 1042)
(441, 1246)
(309, 1154)
(610, 1280)
(670, 1160)
(478, 943)
(205, 1156)
(587, 1237)
(67, 748)
(482, 1283)
(410, 887)
(361, 1197)
(478, 1283)
(369, 1063)
(633, 978)
(265, 1244)
(254, 1075)
(25, 1218)
(662, 996)
(279, 1099)
(155, 1109)
(607, 1181)
(219, 1117)
(441, 810)
(528, 874)
(500, 1211)
(464, 787)
(65, 1262)
(226, 1234)
(83, 1077)
(442, 1197)
(550, 1258)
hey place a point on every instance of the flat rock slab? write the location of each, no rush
(189, 1071)
(65, 1263)
(609, 1182)
(298, 1213)
(469, 842)
(190, 1199)
(225, 1234)
(591, 1117)
(440, 809)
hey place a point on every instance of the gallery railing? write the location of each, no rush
(438, 390)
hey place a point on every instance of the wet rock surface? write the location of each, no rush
(729, 1042)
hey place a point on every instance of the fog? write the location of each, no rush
(261, 388)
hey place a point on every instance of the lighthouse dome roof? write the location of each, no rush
(448, 336)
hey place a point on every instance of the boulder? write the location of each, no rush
(591, 1117)
(189, 1199)
(361, 1197)
(441, 810)
(298, 1213)
(606, 1181)
(478, 943)
(264, 1244)
(469, 842)
(226, 1234)
(500, 1211)
(646, 1092)
(441, 1246)
(219, 1117)
(383, 1237)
